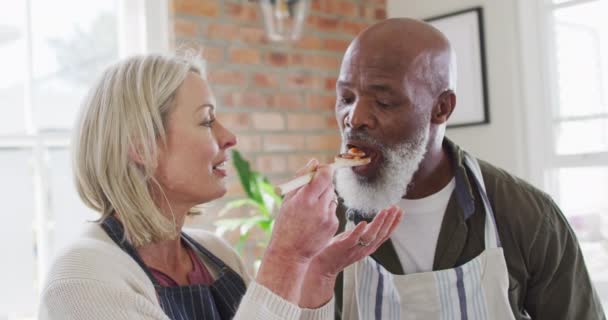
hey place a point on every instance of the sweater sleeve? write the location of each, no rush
(261, 303)
(324, 312)
(93, 300)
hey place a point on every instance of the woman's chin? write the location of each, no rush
(217, 194)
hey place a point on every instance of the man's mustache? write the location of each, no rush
(350, 134)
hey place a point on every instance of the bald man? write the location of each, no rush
(475, 242)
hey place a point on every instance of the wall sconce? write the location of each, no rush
(284, 19)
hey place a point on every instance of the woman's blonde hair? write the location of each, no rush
(124, 116)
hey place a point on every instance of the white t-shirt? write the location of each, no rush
(416, 236)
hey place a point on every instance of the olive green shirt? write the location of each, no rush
(548, 278)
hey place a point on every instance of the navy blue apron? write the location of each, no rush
(219, 300)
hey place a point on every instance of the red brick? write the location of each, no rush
(249, 143)
(244, 55)
(265, 80)
(283, 142)
(298, 81)
(337, 45)
(321, 102)
(221, 31)
(213, 54)
(252, 35)
(185, 28)
(288, 100)
(247, 99)
(322, 62)
(330, 83)
(227, 77)
(277, 59)
(268, 121)
(206, 8)
(341, 8)
(311, 22)
(271, 164)
(254, 99)
(296, 59)
(372, 13)
(316, 5)
(309, 42)
(352, 28)
(326, 142)
(331, 122)
(304, 81)
(242, 12)
(380, 13)
(234, 121)
(306, 122)
(327, 24)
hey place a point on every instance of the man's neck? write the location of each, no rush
(434, 173)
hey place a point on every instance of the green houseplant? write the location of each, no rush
(260, 197)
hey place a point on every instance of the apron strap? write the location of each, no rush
(491, 234)
(115, 230)
(222, 267)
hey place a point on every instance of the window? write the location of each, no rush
(51, 52)
(577, 175)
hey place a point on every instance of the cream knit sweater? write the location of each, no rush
(94, 279)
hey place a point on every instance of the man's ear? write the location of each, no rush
(444, 107)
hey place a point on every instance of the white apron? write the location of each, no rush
(474, 291)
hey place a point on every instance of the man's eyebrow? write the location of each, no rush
(375, 87)
(380, 87)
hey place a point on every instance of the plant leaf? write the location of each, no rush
(241, 243)
(247, 177)
(237, 204)
(252, 222)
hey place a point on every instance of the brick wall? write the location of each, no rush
(278, 98)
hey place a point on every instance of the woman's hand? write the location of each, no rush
(307, 219)
(305, 225)
(344, 250)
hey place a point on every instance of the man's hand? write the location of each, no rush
(344, 250)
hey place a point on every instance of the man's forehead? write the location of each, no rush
(368, 73)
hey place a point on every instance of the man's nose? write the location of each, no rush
(360, 116)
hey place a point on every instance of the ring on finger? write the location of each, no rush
(363, 243)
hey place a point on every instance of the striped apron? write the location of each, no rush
(219, 300)
(477, 290)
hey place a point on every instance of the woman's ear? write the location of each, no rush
(135, 155)
(444, 107)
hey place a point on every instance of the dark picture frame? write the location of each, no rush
(465, 30)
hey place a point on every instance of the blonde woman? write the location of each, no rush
(147, 150)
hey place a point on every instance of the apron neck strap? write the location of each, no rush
(115, 230)
(491, 234)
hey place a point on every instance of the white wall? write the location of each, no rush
(502, 142)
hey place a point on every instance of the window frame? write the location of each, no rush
(538, 68)
(540, 100)
(143, 27)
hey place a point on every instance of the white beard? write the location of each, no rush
(369, 196)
